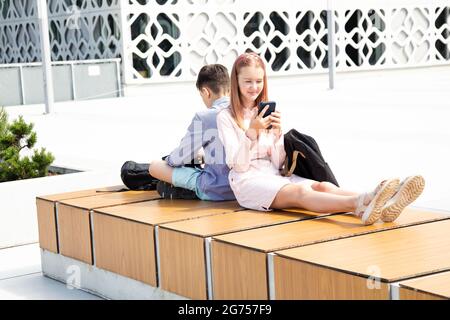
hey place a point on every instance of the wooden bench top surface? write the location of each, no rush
(163, 211)
(236, 221)
(437, 284)
(80, 194)
(111, 199)
(398, 254)
(301, 233)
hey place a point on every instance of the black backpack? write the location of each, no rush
(303, 158)
(136, 176)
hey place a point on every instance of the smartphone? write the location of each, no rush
(271, 108)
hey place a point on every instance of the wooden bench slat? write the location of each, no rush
(389, 256)
(81, 193)
(125, 247)
(400, 253)
(46, 213)
(74, 220)
(236, 280)
(164, 211)
(430, 287)
(334, 227)
(242, 220)
(182, 246)
(111, 199)
(115, 238)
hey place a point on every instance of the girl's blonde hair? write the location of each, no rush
(245, 60)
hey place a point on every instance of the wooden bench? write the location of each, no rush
(185, 247)
(124, 236)
(46, 214)
(135, 244)
(362, 267)
(74, 220)
(434, 287)
(240, 260)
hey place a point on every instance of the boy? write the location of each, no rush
(211, 181)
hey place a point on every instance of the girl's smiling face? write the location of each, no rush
(251, 83)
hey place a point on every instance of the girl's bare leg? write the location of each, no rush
(300, 196)
(331, 188)
(161, 170)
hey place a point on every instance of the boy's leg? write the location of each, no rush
(175, 183)
(161, 171)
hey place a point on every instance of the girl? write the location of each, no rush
(255, 155)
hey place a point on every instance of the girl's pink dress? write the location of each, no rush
(254, 176)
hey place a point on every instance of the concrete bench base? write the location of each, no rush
(97, 281)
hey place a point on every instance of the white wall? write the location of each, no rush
(18, 218)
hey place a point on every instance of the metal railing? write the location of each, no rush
(22, 83)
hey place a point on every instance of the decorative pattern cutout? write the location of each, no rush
(411, 30)
(82, 30)
(156, 43)
(79, 30)
(211, 39)
(169, 40)
(442, 25)
(19, 32)
(267, 35)
(311, 39)
(365, 37)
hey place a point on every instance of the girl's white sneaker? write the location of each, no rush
(370, 213)
(408, 191)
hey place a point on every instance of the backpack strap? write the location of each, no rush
(294, 163)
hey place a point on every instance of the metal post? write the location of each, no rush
(119, 82)
(394, 291)
(22, 85)
(271, 275)
(158, 259)
(74, 88)
(46, 55)
(127, 56)
(209, 284)
(331, 62)
(91, 221)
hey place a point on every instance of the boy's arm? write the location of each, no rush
(191, 143)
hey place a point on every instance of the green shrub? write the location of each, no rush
(14, 138)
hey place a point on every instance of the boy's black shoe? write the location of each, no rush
(169, 191)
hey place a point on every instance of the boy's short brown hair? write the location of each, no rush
(214, 77)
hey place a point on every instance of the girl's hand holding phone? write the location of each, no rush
(275, 118)
(257, 124)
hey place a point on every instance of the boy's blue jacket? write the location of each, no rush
(202, 132)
